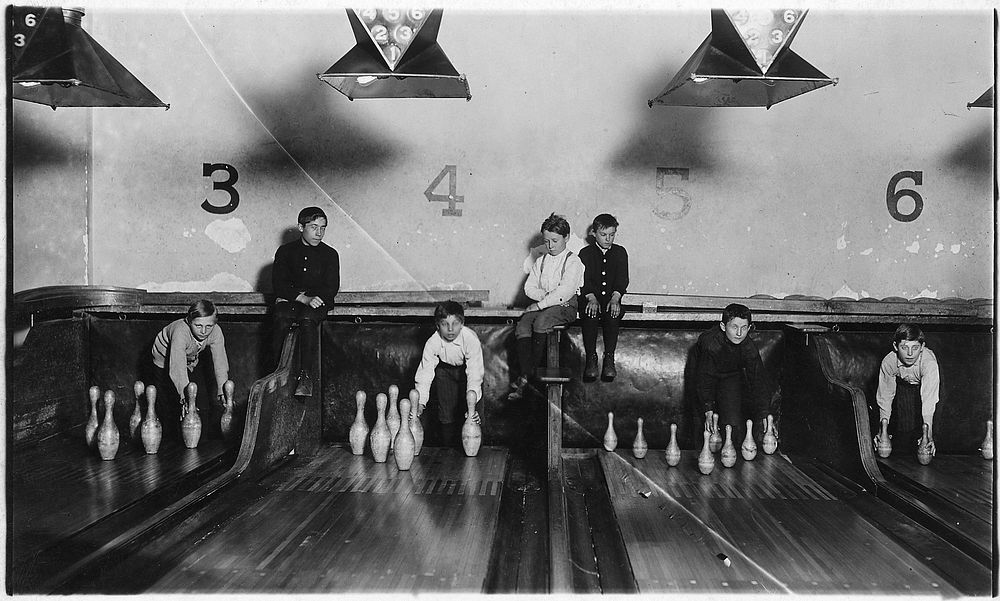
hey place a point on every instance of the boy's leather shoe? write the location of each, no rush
(590, 370)
(609, 372)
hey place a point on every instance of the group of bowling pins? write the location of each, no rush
(398, 428)
(106, 437)
(883, 443)
(714, 443)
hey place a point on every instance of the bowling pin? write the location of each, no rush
(392, 417)
(924, 454)
(472, 434)
(90, 431)
(151, 432)
(715, 441)
(770, 439)
(987, 448)
(402, 448)
(728, 454)
(706, 460)
(379, 437)
(673, 452)
(416, 427)
(359, 429)
(133, 423)
(107, 434)
(883, 445)
(226, 421)
(610, 438)
(749, 448)
(639, 446)
(191, 424)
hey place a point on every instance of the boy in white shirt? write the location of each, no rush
(909, 383)
(553, 283)
(453, 361)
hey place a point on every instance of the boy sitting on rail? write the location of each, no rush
(306, 278)
(453, 362)
(553, 283)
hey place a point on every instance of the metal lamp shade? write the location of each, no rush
(423, 70)
(985, 100)
(713, 78)
(61, 65)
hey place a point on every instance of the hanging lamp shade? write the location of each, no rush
(745, 61)
(985, 100)
(57, 63)
(396, 56)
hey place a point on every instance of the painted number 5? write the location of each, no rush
(226, 186)
(892, 195)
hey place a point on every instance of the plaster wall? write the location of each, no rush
(790, 200)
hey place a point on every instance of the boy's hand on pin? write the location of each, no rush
(709, 425)
(417, 411)
(475, 416)
(593, 307)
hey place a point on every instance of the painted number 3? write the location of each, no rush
(226, 186)
(892, 196)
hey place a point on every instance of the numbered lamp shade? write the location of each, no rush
(745, 61)
(985, 100)
(396, 56)
(57, 63)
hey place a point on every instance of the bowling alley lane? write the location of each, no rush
(965, 480)
(59, 488)
(759, 527)
(338, 522)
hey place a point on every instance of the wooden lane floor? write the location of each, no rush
(759, 527)
(59, 487)
(966, 480)
(343, 523)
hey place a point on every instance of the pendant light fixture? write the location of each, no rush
(745, 61)
(57, 63)
(396, 56)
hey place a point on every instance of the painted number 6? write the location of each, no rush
(892, 195)
(227, 186)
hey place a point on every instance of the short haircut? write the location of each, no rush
(310, 214)
(446, 309)
(201, 308)
(736, 310)
(556, 223)
(907, 331)
(603, 222)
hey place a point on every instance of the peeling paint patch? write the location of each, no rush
(913, 248)
(939, 247)
(845, 291)
(231, 234)
(925, 293)
(220, 282)
(956, 248)
(866, 251)
(841, 243)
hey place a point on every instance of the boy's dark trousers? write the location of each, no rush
(731, 390)
(906, 423)
(449, 391)
(287, 313)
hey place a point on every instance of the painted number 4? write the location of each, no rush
(452, 197)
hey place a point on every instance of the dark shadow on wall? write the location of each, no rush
(665, 136)
(263, 283)
(321, 129)
(34, 147)
(521, 300)
(973, 154)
